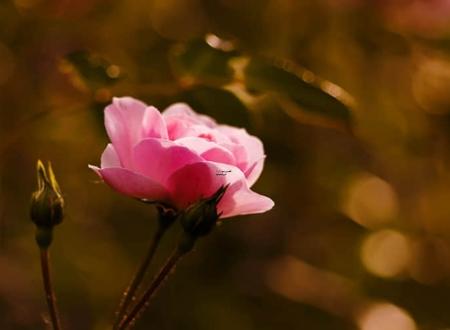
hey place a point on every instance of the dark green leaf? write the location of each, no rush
(285, 80)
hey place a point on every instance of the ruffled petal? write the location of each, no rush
(128, 121)
(253, 161)
(158, 159)
(123, 122)
(239, 153)
(208, 150)
(132, 184)
(176, 127)
(184, 111)
(180, 119)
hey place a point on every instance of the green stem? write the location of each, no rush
(129, 293)
(129, 320)
(49, 292)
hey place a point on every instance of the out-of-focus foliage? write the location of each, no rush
(198, 61)
(90, 69)
(210, 62)
(360, 234)
(262, 76)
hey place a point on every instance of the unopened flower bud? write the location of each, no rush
(200, 218)
(47, 203)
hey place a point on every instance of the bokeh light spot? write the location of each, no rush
(370, 201)
(430, 86)
(386, 253)
(218, 43)
(385, 316)
(113, 71)
(301, 282)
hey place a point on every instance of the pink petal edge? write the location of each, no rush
(131, 184)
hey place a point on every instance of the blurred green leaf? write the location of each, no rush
(221, 104)
(90, 70)
(302, 87)
(198, 61)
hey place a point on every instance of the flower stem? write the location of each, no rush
(130, 292)
(49, 292)
(128, 320)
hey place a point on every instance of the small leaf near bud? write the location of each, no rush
(47, 203)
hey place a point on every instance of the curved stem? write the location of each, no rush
(128, 320)
(129, 293)
(49, 292)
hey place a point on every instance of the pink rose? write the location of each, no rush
(179, 157)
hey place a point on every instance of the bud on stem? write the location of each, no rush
(47, 206)
(199, 219)
(47, 203)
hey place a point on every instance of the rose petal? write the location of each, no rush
(184, 111)
(201, 180)
(154, 124)
(254, 150)
(180, 118)
(254, 171)
(127, 121)
(240, 200)
(253, 145)
(109, 157)
(177, 127)
(240, 154)
(208, 150)
(179, 109)
(131, 184)
(196, 181)
(158, 159)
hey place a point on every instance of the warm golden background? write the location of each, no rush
(360, 234)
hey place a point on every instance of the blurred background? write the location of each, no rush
(351, 99)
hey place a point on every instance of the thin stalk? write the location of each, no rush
(49, 292)
(129, 319)
(130, 292)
